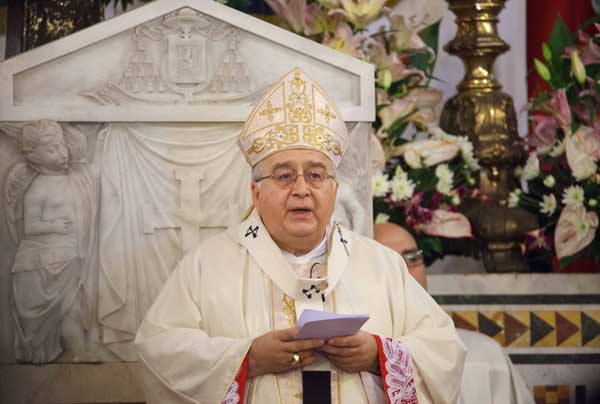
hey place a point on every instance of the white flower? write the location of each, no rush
(466, 147)
(382, 218)
(549, 181)
(428, 153)
(548, 204)
(557, 149)
(582, 148)
(575, 230)
(455, 199)
(532, 168)
(445, 179)
(513, 198)
(573, 196)
(381, 185)
(402, 187)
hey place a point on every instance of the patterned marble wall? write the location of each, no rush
(549, 324)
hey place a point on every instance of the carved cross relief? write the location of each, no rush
(189, 216)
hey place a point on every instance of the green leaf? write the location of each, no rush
(546, 52)
(560, 38)
(430, 35)
(541, 69)
(569, 260)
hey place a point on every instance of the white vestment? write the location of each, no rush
(197, 333)
(489, 375)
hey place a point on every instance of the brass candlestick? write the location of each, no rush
(487, 116)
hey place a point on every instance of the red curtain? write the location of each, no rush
(541, 15)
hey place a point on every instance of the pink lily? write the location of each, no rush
(560, 108)
(345, 41)
(404, 37)
(292, 11)
(398, 109)
(427, 101)
(544, 131)
(360, 12)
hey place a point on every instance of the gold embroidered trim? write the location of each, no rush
(270, 111)
(316, 136)
(278, 137)
(289, 310)
(327, 113)
(298, 105)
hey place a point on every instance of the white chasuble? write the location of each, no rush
(238, 285)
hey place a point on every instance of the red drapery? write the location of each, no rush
(541, 15)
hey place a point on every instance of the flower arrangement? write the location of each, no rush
(560, 181)
(429, 172)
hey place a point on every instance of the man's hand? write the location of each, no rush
(273, 352)
(355, 353)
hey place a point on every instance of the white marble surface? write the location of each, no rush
(161, 145)
(513, 284)
(572, 375)
(58, 384)
(48, 82)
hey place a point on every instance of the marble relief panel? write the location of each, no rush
(95, 212)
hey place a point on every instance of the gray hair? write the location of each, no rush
(256, 172)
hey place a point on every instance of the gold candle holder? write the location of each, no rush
(487, 116)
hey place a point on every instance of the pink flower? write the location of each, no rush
(544, 131)
(404, 36)
(448, 224)
(589, 52)
(345, 41)
(559, 106)
(398, 109)
(575, 230)
(427, 101)
(538, 239)
(360, 12)
(292, 11)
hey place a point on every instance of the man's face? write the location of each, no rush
(52, 154)
(296, 215)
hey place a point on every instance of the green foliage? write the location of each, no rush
(560, 38)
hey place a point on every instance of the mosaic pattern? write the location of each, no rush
(560, 395)
(531, 328)
(551, 394)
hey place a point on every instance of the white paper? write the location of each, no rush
(321, 324)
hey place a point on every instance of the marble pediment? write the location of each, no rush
(176, 61)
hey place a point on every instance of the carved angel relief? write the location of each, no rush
(177, 61)
(51, 200)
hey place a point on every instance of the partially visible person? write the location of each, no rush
(489, 376)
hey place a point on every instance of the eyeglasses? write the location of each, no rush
(413, 258)
(285, 178)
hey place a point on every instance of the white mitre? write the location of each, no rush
(294, 114)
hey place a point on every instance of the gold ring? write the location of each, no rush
(295, 358)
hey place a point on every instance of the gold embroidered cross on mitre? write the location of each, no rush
(294, 114)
